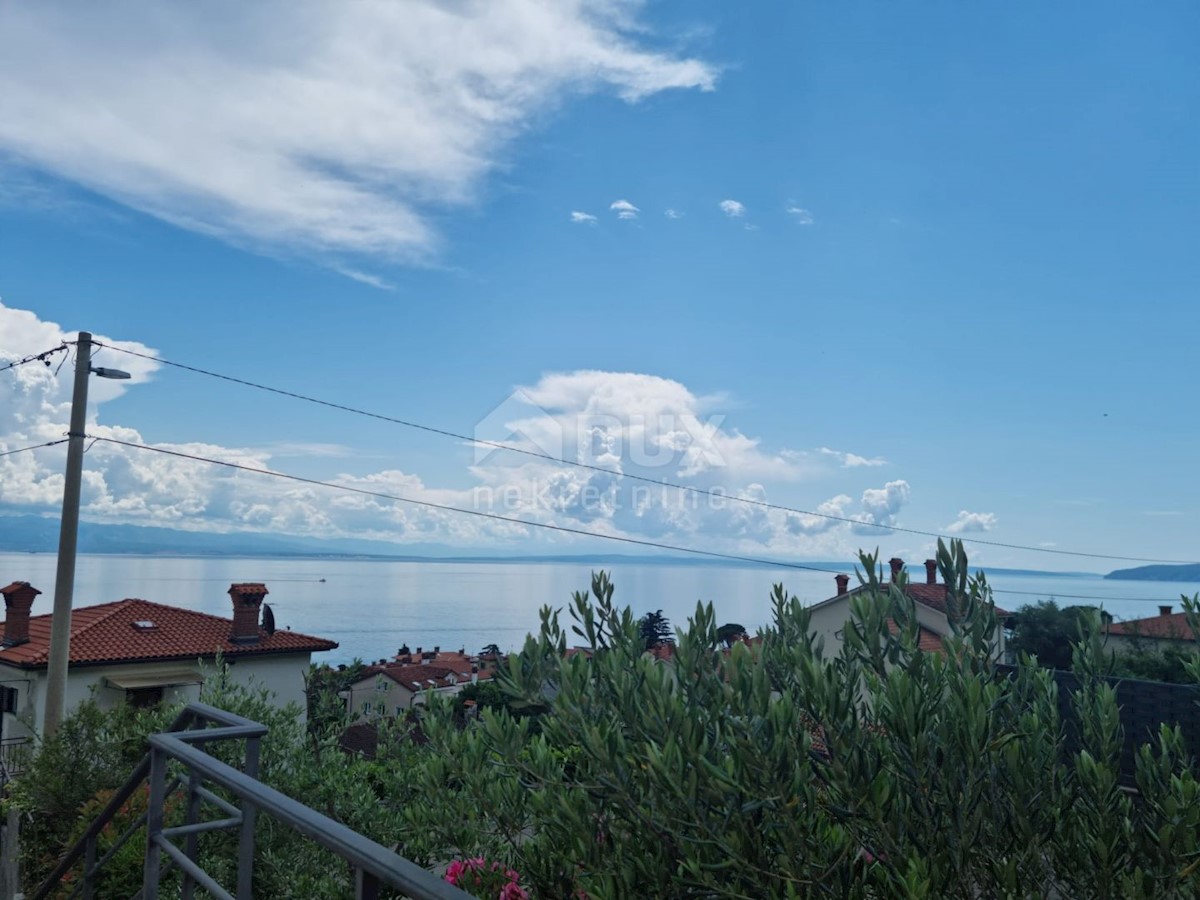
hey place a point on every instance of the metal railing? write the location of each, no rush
(11, 750)
(373, 865)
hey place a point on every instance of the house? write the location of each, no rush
(829, 617)
(140, 652)
(393, 688)
(1155, 633)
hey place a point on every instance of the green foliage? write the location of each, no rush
(1171, 664)
(93, 750)
(730, 632)
(770, 770)
(940, 778)
(655, 630)
(1046, 632)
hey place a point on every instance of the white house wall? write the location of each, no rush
(282, 675)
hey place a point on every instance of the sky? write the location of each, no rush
(928, 265)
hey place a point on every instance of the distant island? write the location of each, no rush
(1185, 572)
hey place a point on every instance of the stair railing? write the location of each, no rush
(373, 865)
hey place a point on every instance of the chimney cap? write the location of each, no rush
(17, 586)
(248, 587)
(897, 565)
(1164, 610)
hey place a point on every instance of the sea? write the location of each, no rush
(373, 606)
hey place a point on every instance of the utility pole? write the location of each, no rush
(68, 539)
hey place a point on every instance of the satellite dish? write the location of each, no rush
(268, 620)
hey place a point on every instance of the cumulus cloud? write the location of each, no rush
(582, 218)
(971, 521)
(800, 216)
(624, 209)
(303, 125)
(880, 506)
(618, 423)
(732, 208)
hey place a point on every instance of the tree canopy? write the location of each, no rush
(655, 629)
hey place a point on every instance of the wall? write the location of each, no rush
(282, 675)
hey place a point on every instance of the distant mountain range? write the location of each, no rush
(37, 534)
(1185, 572)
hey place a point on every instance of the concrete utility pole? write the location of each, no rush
(68, 538)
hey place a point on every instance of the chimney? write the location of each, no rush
(897, 565)
(931, 571)
(247, 601)
(18, 601)
(1162, 610)
(843, 583)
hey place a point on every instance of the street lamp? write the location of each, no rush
(68, 538)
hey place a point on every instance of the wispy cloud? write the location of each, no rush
(971, 521)
(673, 214)
(800, 215)
(852, 460)
(732, 208)
(301, 126)
(367, 278)
(624, 209)
(582, 218)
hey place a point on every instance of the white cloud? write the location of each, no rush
(302, 125)
(673, 214)
(624, 209)
(582, 218)
(732, 208)
(367, 278)
(801, 216)
(852, 460)
(971, 521)
(619, 422)
(880, 506)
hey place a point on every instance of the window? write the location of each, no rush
(141, 698)
(8, 700)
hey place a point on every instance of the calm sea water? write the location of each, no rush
(372, 607)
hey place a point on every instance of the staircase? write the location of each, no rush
(197, 726)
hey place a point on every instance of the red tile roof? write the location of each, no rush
(1171, 627)
(928, 641)
(406, 675)
(109, 633)
(931, 595)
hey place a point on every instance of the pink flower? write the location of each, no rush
(454, 871)
(513, 891)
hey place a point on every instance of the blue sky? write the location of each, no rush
(986, 283)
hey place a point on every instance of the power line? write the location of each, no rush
(34, 447)
(655, 481)
(552, 527)
(468, 512)
(44, 356)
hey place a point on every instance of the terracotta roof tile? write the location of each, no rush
(1172, 627)
(928, 641)
(407, 675)
(931, 595)
(107, 633)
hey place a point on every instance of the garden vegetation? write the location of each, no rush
(760, 769)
